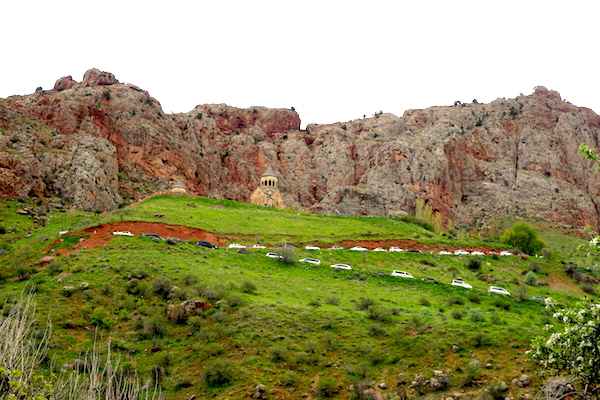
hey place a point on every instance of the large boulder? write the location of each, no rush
(96, 77)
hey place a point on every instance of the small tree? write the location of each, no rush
(573, 347)
(523, 237)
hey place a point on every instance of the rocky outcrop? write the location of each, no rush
(98, 142)
(96, 77)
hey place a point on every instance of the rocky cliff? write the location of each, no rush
(99, 142)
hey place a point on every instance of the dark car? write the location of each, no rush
(174, 240)
(152, 235)
(412, 251)
(244, 251)
(204, 243)
(429, 280)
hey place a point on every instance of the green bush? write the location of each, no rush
(364, 304)
(531, 278)
(474, 264)
(475, 315)
(290, 378)
(218, 373)
(327, 386)
(524, 238)
(457, 314)
(101, 318)
(278, 353)
(248, 287)
(162, 286)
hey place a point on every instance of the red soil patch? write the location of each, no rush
(101, 235)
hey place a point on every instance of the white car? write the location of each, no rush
(461, 253)
(336, 248)
(401, 274)
(444, 252)
(310, 260)
(122, 233)
(359, 248)
(258, 246)
(498, 289)
(506, 253)
(461, 283)
(477, 253)
(379, 249)
(394, 248)
(341, 266)
(236, 246)
(311, 247)
(273, 255)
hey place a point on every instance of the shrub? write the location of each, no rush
(475, 315)
(472, 374)
(333, 300)
(474, 264)
(327, 386)
(101, 318)
(480, 340)
(189, 280)
(289, 378)
(376, 330)
(455, 300)
(183, 383)
(588, 288)
(364, 304)
(530, 278)
(379, 313)
(278, 353)
(473, 299)
(218, 373)
(155, 327)
(248, 287)
(288, 255)
(523, 237)
(457, 314)
(162, 286)
(314, 303)
(424, 302)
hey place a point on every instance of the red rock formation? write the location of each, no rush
(470, 162)
(65, 82)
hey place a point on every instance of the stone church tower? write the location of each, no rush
(267, 193)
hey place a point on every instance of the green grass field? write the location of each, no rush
(294, 327)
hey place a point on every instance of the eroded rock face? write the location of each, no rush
(470, 162)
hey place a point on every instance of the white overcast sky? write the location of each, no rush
(332, 61)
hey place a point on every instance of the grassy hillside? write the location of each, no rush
(301, 330)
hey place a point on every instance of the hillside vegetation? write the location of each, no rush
(292, 329)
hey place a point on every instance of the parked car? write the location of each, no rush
(310, 260)
(236, 246)
(359, 248)
(336, 248)
(461, 253)
(273, 255)
(341, 266)
(243, 251)
(477, 253)
(311, 247)
(506, 253)
(444, 252)
(116, 233)
(492, 253)
(412, 251)
(401, 274)
(461, 283)
(425, 251)
(204, 243)
(498, 289)
(537, 298)
(288, 246)
(427, 279)
(152, 235)
(174, 240)
(258, 246)
(378, 249)
(397, 249)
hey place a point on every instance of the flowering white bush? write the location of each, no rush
(573, 345)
